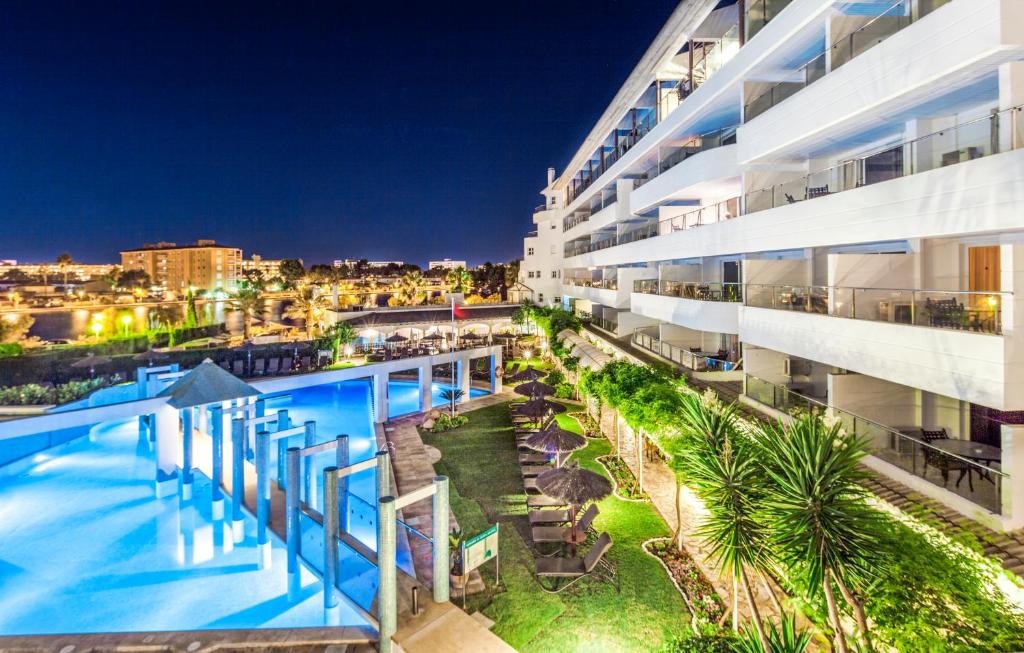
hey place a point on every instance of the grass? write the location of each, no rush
(480, 459)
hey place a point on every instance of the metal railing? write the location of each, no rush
(692, 360)
(966, 310)
(701, 291)
(600, 284)
(898, 15)
(570, 221)
(974, 139)
(977, 482)
(706, 62)
(575, 249)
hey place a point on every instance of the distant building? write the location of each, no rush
(446, 264)
(269, 267)
(76, 271)
(351, 262)
(205, 265)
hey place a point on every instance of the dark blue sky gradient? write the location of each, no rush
(321, 131)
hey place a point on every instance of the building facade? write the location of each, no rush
(204, 265)
(446, 264)
(269, 268)
(820, 202)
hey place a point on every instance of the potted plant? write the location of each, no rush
(458, 576)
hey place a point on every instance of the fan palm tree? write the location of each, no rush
(308, 305)
(453, 396)
(820, 523)
(459, 280)
(247, 299)
(785, 638)
(411, 289)
(719, 462)
(64, 262)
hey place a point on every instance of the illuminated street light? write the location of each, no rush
(126, 320)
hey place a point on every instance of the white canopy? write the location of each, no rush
(590, 356)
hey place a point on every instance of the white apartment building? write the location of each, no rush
(822, 202)
(445, 264)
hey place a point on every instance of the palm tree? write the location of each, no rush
(719, 462)
(411, 289)
(64, 261)
(248, 299)
(308, 305)
(820, 523)
(458, 280)
(786, 638)
(452, 396)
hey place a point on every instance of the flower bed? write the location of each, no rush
(587, 423)
(698, 592)
(624, 484)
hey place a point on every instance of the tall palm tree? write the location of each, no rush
(719, 462)
(820, 523)
(248, 299)
(459, 280)
(307, 305)
(64, 261)
(411, 289)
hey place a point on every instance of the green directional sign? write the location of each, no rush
(480, 548)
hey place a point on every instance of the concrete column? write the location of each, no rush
(1012, 463)
(342, 461)
(165, 420)
(187, 416)
(426, 386)
(283, 422)
(332, 611)
(496, 364)
(387, 585)
(380, 397)
(308, 478)
(291, 524)
(262, 498)
(440, 536)
(1011, 94)
(462, 378)
(216, 421)
(383, 474)
(237, 478)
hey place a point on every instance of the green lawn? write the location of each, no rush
(480, 459)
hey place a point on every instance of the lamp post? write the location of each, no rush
(96, 328)
(126, 321)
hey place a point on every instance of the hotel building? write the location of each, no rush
(174, 268)
(445, 264)
(821, 204)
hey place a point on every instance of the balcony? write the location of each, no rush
(971, 140)
(693, 146)
(936, 462)
(690, 359)
(710, 307)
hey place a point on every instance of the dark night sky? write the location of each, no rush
(291, 129)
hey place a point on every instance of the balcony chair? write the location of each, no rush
(551, 572)
(943, 462)
(817, 191)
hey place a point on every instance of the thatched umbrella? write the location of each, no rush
(538, 408)
(529, 374)
(555, 440)
(534, 389)
(90, 362)
(574, 486)
(433, 337)
(206, 384)
(149, 356)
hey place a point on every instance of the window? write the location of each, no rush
(552, 226)
(529, 251)
(554, 274)
(553, 249)
(540, 298)
(529, 275)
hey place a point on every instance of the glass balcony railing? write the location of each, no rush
(600, 284)
(979, 312)
(893, 18)
(977, 479)
(760, 12)
(624, 143)
(691, 359)
(975, 139)
(611, 326)
(700, 291)
(671, 157)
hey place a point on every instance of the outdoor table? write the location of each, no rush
(984, 453)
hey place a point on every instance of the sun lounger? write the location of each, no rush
(560, 534)
(533, 459)
(553, 572)
(539, 517)
(534, 470)
(543, 501)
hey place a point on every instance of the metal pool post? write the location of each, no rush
(284, 422)
(440, 537)
(342, 463)
(307, 478)
(387, 588)
(263, 497)
(332, 611)
(216, 421)
(186, 454)
(383, 473)
(237, 478)
(291, 523)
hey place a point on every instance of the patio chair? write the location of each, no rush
(286, 365)
(552, 534)
(273, 365)
(552, 572)
(237, 367)
(540, 517)
(943, 462)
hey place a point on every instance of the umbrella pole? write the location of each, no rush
(572, 533)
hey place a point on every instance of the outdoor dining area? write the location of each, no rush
(561, 496)
(397, 346)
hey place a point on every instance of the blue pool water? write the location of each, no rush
(85, 546)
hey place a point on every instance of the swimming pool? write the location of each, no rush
(87, 548)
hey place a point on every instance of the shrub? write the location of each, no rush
(446, 423)
(710, 640)
(555, 378)
(10, 349)
(563, 391)
(33, 394)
